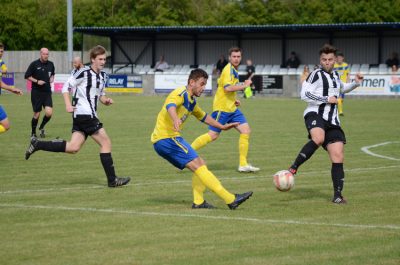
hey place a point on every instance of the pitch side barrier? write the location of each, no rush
(266, 85)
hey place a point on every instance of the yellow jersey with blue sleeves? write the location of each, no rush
(225, 100)
(185, 106)
(3, 67)
(343, 71)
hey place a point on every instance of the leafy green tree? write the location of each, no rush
(32, 24)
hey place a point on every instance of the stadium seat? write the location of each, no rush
(283, 71)
(373, 70)
(383, 69)
(275, 69)
(364, 69)
(355, 68)
(267, 69)
(242, 67)
(292, 71)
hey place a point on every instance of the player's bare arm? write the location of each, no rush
(210, 121)
(68, 106)
(15, 90)
(348, 87)
(238, 87)
(175, 119)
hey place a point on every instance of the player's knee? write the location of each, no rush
(106, 144)
(72, 148)
(318, 140)
(214, 136)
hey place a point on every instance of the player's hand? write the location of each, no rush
(17, 91)
(237, 103)
(108, 102)
(41, 82)
(177, 125)
(70, 109)
(230, 126)
(247, 82)
(332, 100)
(358, 78)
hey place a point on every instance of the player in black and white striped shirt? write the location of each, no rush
(87, 85)
(321, 91)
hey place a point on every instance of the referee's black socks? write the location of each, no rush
(108, 165)
(337, 172)
(44, 121)
(34, 124)
(305, 153)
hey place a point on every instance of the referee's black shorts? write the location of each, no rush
(333, 133)
(40, 100)
(86, 124)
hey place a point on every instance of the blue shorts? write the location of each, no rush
(227, 117)
(176, 150)
(3, 114)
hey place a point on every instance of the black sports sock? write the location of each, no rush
(108, 165)
(44, 121)
(337, 178)
(34, 125)
(305, 153)
(52, 146)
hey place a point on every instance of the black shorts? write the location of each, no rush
(333, 133)
(40, 100)
(86, 124)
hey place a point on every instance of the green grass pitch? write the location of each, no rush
(56, 208)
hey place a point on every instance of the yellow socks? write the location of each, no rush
(2, 129)
(243, 149)
(340, 105)
(201, 141)
(211, 182)
(198, 190)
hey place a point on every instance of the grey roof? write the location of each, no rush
(107, 31)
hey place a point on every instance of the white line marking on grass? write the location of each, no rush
(187, 181)
(227, 218)
(366, 150)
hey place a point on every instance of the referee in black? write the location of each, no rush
(41, 73)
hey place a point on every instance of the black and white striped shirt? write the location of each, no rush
(316, 89)
(87, 87)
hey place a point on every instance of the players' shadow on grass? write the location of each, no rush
(304, 193)
(216, 165)
(299, 194)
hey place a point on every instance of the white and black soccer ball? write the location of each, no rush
(283, 180)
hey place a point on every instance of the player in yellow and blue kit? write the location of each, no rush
(4, 123)
(343, 70)
(225, 110)
(3, 66)
(168, 143)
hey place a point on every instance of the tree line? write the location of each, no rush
(31, 24)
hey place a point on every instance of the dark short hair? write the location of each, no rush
(327, 48)
(96, 51)
(1, 45)
(340, 54)
(234, 49)
(196, 74)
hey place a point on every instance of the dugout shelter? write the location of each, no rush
(362, 43)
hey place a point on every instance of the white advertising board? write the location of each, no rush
(378, 85)
(165, 83)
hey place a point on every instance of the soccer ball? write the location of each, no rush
(283, 180)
